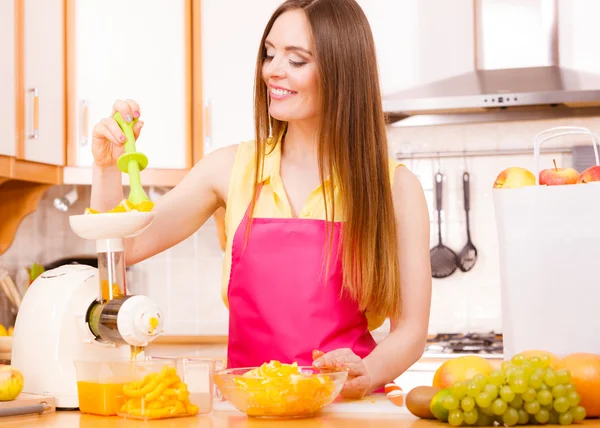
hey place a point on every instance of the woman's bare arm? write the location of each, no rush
(180, 212)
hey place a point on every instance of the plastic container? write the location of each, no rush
(282, 395)
(548, 256)
(153, 388)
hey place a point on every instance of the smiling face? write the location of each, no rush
(289, 69)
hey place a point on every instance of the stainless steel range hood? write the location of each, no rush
(517, 74)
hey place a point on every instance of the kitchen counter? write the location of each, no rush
(226, 419)
(371, 412)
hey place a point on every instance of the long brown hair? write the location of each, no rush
(352, 147)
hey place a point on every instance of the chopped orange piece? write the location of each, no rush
(145, 206)
(90, 211)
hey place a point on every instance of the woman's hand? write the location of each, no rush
(359, 380)
(107, 137)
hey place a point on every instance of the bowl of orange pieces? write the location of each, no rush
(278, 390)
(126, 206)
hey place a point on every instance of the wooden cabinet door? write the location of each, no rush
(43, 78)
(8, 79)
(134, 49)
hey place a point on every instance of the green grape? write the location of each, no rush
(565, 418)
(467, 404)
(511, 417)
(506, 365)
(486, 410)
(523, 417)
(544, 397)
(518, 385)
(473, 390)
(535, 362)
(535, 381)
(550, 377)
(485, 420)
(574, 398)
(496, 377)
(528, 368)
(517, 373)
(570, 388)
(499, 406)
(507, 394)
(450, 402)
(456, 417)
(532, 407)
(545, 360)
(471, 416)
(553, 418)
(561, 404)
(529, 395)
(479, 380)
(578, 413)
(483, 399)
(459, 390)
(492, 390)
(542, 416)
(563, 376)
(517, 402)
(518, 359)
(559, 391)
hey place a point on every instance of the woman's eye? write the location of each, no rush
(297, 63)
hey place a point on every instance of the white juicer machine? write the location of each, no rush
(77, 312)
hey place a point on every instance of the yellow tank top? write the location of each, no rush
(272, 203)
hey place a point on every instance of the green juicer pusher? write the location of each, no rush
(132, 161)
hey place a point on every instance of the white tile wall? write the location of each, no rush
(185, 280)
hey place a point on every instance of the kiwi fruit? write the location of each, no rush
(418, 400)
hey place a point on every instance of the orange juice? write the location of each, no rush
(99, 398)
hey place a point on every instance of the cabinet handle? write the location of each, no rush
(35, 133)
(83, 123)
(207, 125)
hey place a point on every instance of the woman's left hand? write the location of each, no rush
(359, 381)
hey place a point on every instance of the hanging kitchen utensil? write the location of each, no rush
(443, 260)
(468, 255)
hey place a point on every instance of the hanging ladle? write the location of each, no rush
(443, 259)
(468, 255)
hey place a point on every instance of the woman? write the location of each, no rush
(327, 237)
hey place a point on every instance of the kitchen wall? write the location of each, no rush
(185, 280)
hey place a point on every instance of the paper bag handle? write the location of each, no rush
(568, 130)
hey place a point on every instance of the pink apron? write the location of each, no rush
(280, 308)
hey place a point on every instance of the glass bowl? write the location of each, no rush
(277, 390)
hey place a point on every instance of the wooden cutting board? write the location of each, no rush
(26, 404)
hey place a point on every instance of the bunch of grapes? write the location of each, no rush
(524, 391)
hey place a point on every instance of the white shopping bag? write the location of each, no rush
(549, 254)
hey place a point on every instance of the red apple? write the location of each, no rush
(590, 174)
(558, 176)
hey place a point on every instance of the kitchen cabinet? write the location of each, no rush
(8, 79)
(578, 48)
(43, 89)
(134, 49)
(230, 45)
(419, 41)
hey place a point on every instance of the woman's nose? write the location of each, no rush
(274, 68)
